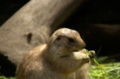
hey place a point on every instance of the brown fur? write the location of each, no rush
(62, 57)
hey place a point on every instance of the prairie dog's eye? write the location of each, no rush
(71, 40)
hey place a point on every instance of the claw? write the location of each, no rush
(92, 53)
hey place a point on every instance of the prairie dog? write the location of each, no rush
(62, 57)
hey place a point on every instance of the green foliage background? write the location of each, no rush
(112, 71)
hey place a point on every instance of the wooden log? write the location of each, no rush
(32, 26)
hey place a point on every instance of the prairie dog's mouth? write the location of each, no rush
(65, 56)
(75, 50)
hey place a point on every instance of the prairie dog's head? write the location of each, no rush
(65, 51)
(66, 40)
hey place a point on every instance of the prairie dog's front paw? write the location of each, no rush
(81, 55)
(86, 59)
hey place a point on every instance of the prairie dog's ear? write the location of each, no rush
(59, 37)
